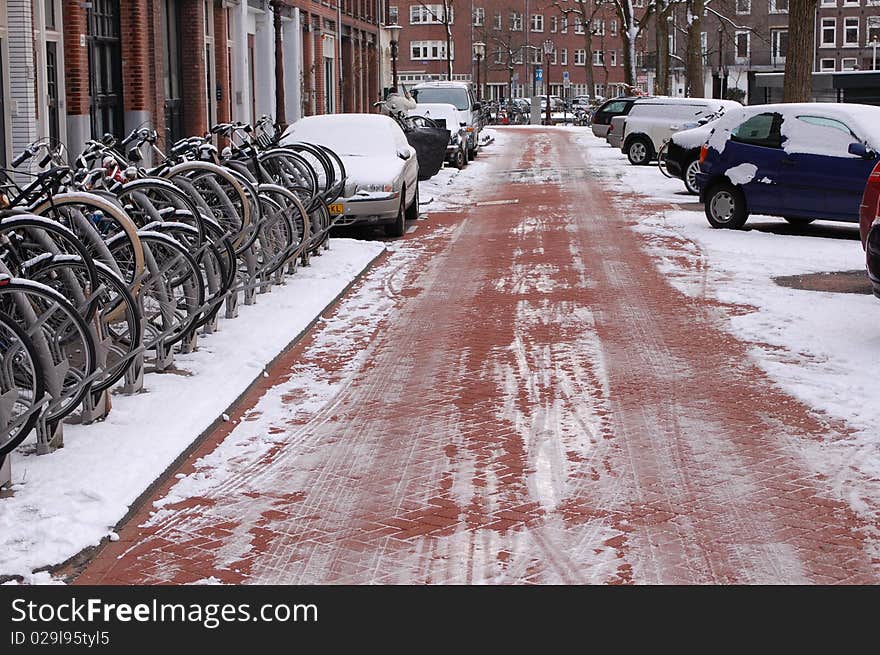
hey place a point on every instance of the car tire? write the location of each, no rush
(398, 227)
(689, 176)
(460, 160)
(412, 212)
(639, 151)
(797, 220)
(726, 206)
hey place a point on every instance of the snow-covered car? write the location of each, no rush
(651, 121)
(382, 168)
(608, 110)
(682, 155)
(446, 115)
(461, 96)
(802, 162)
(614, 136)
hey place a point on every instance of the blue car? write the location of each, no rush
(799, 161)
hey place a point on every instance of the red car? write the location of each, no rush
(869, 227)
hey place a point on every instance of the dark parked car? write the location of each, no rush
(608, 110)
(799, 161)
(869, 228)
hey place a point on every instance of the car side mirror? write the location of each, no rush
(478, 106)
(404, 154)
(860, 150)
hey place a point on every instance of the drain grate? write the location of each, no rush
(832, 281)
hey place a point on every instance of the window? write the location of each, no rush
(515, 21)
(479, 16)
(742, 43)
(536, 56)
(578, 25)
(517, 57)
(537, 22)
(580, 57)
(499, 56)
(598, 58)
(50, 15)
(553, 57)
(826, 65)
(563, 58)
(831, 136)
(497, 21)
(704, 47)
(743, 6)
(851, 3)
(613, 27)
(563, 24)
(599, 90)
(851, 32)
(553, 24)
(638, 3)
(598, 27)
(829, 32)
(778, 6)
(872, 26)
(849, 64)
(429, 15)
(778, 46)
(829, 3)
(613, 57)
(761, 130)
(425, 50)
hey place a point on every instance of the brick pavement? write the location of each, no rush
(514, 395)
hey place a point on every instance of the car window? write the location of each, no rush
(615, 107)
(760, 130)
(452, 96)
(828, 122)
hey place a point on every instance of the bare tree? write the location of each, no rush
(798, 81)
(631, 28)
(585, 11)
(444, 17)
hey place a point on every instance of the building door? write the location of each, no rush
(173, 100)
(52, 90)
(105, 68)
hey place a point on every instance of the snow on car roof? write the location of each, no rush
(863, 120)
(436, 110)
(348, 134)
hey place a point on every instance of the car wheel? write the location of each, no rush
(398, 227)
(690, 176)
(726, 206)
(796, 220)
(460, 159)
(412, 212)
(638, 152)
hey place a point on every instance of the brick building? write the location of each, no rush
(86, 67)
(513, 34)
(847, 35)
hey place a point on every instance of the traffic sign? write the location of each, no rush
(565, 76)
(539, 74)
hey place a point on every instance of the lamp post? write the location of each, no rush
(479, 53)
(394, 31)
(548, 50)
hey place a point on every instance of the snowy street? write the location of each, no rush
(560, 374)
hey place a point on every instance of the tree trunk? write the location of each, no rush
(798, 86)
(661, 74)
(694, 68)
(588, 46)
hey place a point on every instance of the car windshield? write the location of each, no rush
(456, 97)
(345, 135)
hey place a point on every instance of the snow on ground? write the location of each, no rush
(71, 499)
(821, 347)
(452, 189)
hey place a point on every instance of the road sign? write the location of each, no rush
(565, 76)
(539, 74)
(566, 83)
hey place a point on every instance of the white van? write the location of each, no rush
(461, 96)
(652, 121)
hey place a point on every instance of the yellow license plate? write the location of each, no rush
(337, 208)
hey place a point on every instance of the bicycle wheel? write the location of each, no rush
(661, 159)
(63, 341)
(22, 384)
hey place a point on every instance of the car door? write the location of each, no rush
(824, 178)
(752, 158)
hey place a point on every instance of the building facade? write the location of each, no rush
(76, 69)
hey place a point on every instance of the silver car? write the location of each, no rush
(382, 169)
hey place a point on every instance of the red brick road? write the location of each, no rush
(514, 394)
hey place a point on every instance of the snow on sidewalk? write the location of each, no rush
(819, 346)
(71, 499)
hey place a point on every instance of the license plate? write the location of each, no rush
(337, 208)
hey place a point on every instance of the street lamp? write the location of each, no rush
(479, 53)
(394, 31)
(548, 50)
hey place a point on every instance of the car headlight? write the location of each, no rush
(375, 188)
